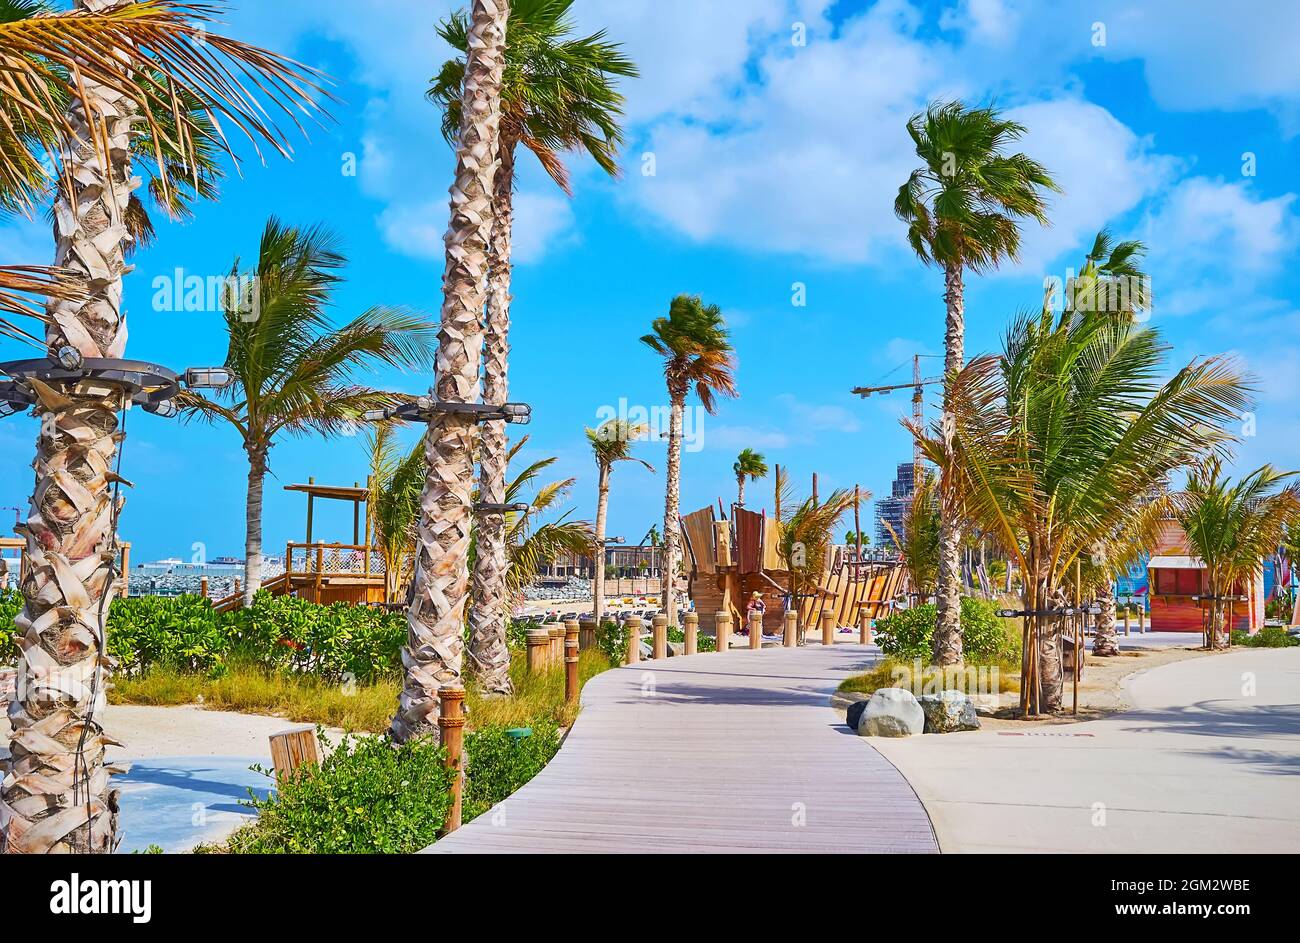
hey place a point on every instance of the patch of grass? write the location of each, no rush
(893, 673)
(537, 697)
(252, 690)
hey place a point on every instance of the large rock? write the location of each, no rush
(854, 715)
(948, 711)
(891, 712)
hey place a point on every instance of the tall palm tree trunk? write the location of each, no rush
(1106, 641)
(672, 503)
(488, 652)
(740, 490)
(602, 510)
(55, 795)
(947, 633)
(253, 526)
(434, 650)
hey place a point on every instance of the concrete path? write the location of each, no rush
(719, 752)
(1208, 760)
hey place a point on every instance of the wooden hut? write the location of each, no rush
(1176, 578)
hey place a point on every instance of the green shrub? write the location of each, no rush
(337, 643)
(499, 764)
(907, 634)
(11, 603)
(612, 639)
(1273, 636)
(368, 796)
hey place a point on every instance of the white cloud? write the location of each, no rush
(742, 436)
(819, 415)
(542, 222)
(1213, 242)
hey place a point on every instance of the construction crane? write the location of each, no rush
(918, 404)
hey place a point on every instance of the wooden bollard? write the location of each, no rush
(556, 653)
(203, 586)
(692, 630)
(633, 639)
(1142, 618)
(722, 628)
(539, 644)
(571, 661)
(451, 725)
(237, 586)
(1127, 620)
(659, 629)
(755, 630)
(828, 628)
(586, 634)
(864, 627)
(791, 628)
(292, 749)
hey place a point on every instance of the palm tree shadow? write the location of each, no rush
(193, 781)
(1269, 762)
(1218, 719)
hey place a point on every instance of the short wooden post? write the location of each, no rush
(659, 630)
(755, 630)
(237, 586)
(633, 639)
(1126, 620)
(571, 661)
(791, 628)
(539, 641)
(828, 628)
(586, 634)
(451, 724)
(864, 627)
(292, 749)
(1142, 617)
(203, 586)
(692, 630)
(556, 653)
(722, 628)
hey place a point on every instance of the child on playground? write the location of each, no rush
(756, 604)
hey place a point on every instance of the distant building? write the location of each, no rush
(892, 509)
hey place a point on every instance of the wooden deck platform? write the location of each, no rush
(734, 752)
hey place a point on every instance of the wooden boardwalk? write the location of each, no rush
(736, 752)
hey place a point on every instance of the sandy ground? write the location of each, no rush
(189, 771)
(1205, 758)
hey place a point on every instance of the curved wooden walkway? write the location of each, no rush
(736, 752)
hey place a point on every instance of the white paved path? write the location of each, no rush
(1208, 760)
(734, 752)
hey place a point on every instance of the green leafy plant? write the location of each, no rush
(612, 639)
(369, 796)
(1273, 636)
(11, 603)
(907, 634)
(500, 763)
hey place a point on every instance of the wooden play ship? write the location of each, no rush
(730, 558)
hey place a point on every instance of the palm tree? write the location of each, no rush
(82, 84)
(961, 209)
(805, 536)
(529, 545)
(291, 371)
(611, 442)
(693, 341)
(749, 464)
(918, 544)
(1233, 527)
(557, 94)
(1052, 446)
(434, 652)
(395, 483)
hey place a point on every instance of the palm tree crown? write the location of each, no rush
(961, 206)
(697, 351)
(557, 92)
(612, 440)
(1233, 527)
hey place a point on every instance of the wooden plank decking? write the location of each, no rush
(734, 752)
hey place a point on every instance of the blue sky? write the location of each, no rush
(775, 163)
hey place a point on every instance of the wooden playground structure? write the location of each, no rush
(730, 558)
